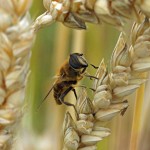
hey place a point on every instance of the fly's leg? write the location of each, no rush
(94, 66)
(83, 86)
(61, 98)
(91, 77)
(83, 70)
(75, 93)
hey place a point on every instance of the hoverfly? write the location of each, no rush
(68, 76)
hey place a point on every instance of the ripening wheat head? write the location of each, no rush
(75, 14)
(16, 39)
(128, 62)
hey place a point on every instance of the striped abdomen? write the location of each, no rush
(60, 88)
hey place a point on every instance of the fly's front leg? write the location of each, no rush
(75, 93)
(95, 67)
(83, 86)
(61, 98)
(89, 76)
(83, 70)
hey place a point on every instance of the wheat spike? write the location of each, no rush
(128, 62)
(16, 39)
(75, 14)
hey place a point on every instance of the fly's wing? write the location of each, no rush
(46, 96)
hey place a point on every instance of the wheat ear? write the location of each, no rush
(128, 62)
(75, 14)
(16, 39)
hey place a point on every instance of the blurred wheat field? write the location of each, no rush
(42, 129)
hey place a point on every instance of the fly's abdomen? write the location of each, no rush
(60, 88)
(57, 94)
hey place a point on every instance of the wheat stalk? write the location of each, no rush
(16, 39)
(128, 62)
(75, 14)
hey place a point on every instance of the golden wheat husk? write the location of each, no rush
(16, 38)
(129, 61)
(75, 14)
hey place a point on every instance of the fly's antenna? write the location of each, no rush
(45, 98)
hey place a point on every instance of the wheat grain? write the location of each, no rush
(16, 39)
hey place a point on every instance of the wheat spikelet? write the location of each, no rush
(75, 14)
(16, 39)
(128, 62)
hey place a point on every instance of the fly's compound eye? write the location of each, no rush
(77, 61)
